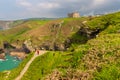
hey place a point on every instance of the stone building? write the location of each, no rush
(74, 15)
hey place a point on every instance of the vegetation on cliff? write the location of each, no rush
(92, 44)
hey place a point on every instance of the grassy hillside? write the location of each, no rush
(43, 32)
(97, 59)
(15, 33)
(93, 54)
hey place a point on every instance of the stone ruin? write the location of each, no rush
(74, 15)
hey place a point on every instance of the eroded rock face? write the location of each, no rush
(54, 47)
(7, 48)
(54, 43)
(90, 33)
(27, 46)
(25, 49)
(7, 45)
(83, 32)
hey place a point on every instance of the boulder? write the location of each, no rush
(2, 56)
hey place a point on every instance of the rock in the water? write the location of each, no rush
(2, 56)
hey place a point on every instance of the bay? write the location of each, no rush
(9, 63)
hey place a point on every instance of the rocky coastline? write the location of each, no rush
(8, 49)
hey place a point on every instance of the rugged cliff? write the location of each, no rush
(88, 48)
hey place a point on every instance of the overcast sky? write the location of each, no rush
(19, 9)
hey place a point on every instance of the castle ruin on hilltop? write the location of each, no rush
(74, 15)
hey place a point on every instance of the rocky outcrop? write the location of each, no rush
(7, 45)
(90, 33)
(54, 47)
(2, 56)
(27, 46)
(84, 32)
(19, 55)
(56, 41)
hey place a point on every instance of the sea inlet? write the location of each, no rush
(9, 63)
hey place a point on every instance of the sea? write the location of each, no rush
(9, 63)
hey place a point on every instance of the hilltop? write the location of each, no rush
(7, 24)
(85, 48)
(45, 34)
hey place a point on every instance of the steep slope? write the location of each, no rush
(97, 59)
(44, 34)
(52, 35)
(92, 49)
(14, 34)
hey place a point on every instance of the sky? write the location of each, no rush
(21, 9)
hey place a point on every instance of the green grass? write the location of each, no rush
(16, 33)
(45, 64)
(97, 59)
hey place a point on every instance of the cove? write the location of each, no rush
(9, 63)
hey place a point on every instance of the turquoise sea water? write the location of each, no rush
(9, 63)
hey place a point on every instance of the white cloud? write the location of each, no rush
(48, 5)
(99, 2)
(24, 3)
(43, 5)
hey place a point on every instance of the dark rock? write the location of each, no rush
(1, 50)
(7, 45)
(45, 46)
(25, 49)
(28, 45)
(85, 33)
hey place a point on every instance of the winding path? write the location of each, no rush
(28, 64)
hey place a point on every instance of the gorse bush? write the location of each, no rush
(108, 72)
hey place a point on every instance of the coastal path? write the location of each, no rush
(28, 64)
